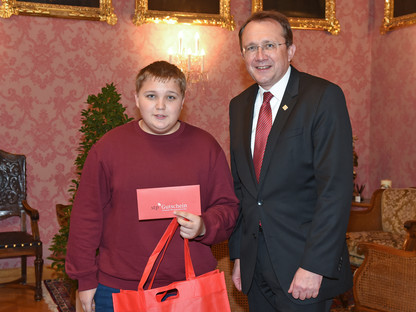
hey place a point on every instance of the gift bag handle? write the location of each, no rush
(162, 246)
(189, 268)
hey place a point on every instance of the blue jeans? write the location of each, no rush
(103, 298)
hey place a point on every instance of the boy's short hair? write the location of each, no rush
(162, 71)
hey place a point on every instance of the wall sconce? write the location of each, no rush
(190, 61)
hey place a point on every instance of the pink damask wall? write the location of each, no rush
(49, 66)
(392, 148)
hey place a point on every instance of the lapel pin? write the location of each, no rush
(285, 107)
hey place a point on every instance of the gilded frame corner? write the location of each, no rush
(104, 13)
(391, 22)
(224, 19)
(330, 23)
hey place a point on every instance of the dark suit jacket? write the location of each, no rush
(304, 195)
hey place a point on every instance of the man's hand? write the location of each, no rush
(305, 284)
(86, 297)
(236, 275)
(191, 225)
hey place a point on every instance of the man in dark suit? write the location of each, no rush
(289, 242)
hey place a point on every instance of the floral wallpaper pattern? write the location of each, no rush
(49, 66)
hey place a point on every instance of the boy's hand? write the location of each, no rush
(191, 225)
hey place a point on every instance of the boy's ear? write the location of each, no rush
(136, 98)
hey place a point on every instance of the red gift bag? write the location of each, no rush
(204, 293)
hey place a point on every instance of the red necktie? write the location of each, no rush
(264, 124)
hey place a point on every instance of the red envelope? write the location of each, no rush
(161, 202)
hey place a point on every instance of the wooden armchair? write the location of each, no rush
(386, 280)
(387, 222)
(13, 204)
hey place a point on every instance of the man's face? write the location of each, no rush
(270, 59)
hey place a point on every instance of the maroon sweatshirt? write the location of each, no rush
(105, 214)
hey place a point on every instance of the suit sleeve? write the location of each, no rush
(235, 238)
(333, 168)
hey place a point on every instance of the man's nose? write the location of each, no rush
(260, 54)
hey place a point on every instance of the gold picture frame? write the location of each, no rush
(330, 23)
(221, 17)
(99, 10)
(392, 21)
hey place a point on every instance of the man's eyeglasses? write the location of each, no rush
(266, 47)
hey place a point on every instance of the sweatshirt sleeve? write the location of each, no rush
(222, 204)
(86, 223)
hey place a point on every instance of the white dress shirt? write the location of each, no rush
(277, 90)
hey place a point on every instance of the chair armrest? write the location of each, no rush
(367, 248)
(410, 242)
(369, 219)
(34, 217)
(385, 280)
(33, 213)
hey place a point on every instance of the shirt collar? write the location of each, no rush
(278, 89)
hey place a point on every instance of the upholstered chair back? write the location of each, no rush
(398, 206)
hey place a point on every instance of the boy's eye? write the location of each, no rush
(150, 96)
(171, 97)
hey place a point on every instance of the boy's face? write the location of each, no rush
(160, 103)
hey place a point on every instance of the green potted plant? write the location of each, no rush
(104, 113)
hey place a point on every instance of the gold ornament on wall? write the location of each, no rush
(101, 10)
(398, 14)
(301, 17)
(195, 12)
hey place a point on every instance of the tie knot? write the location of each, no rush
(267, 96)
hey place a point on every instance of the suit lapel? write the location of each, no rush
(247, 110)
(285, 109)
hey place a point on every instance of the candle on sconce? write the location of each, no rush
(189, 59)
(170, 53)
(196, 43)
(203, 59)
(180, 36)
